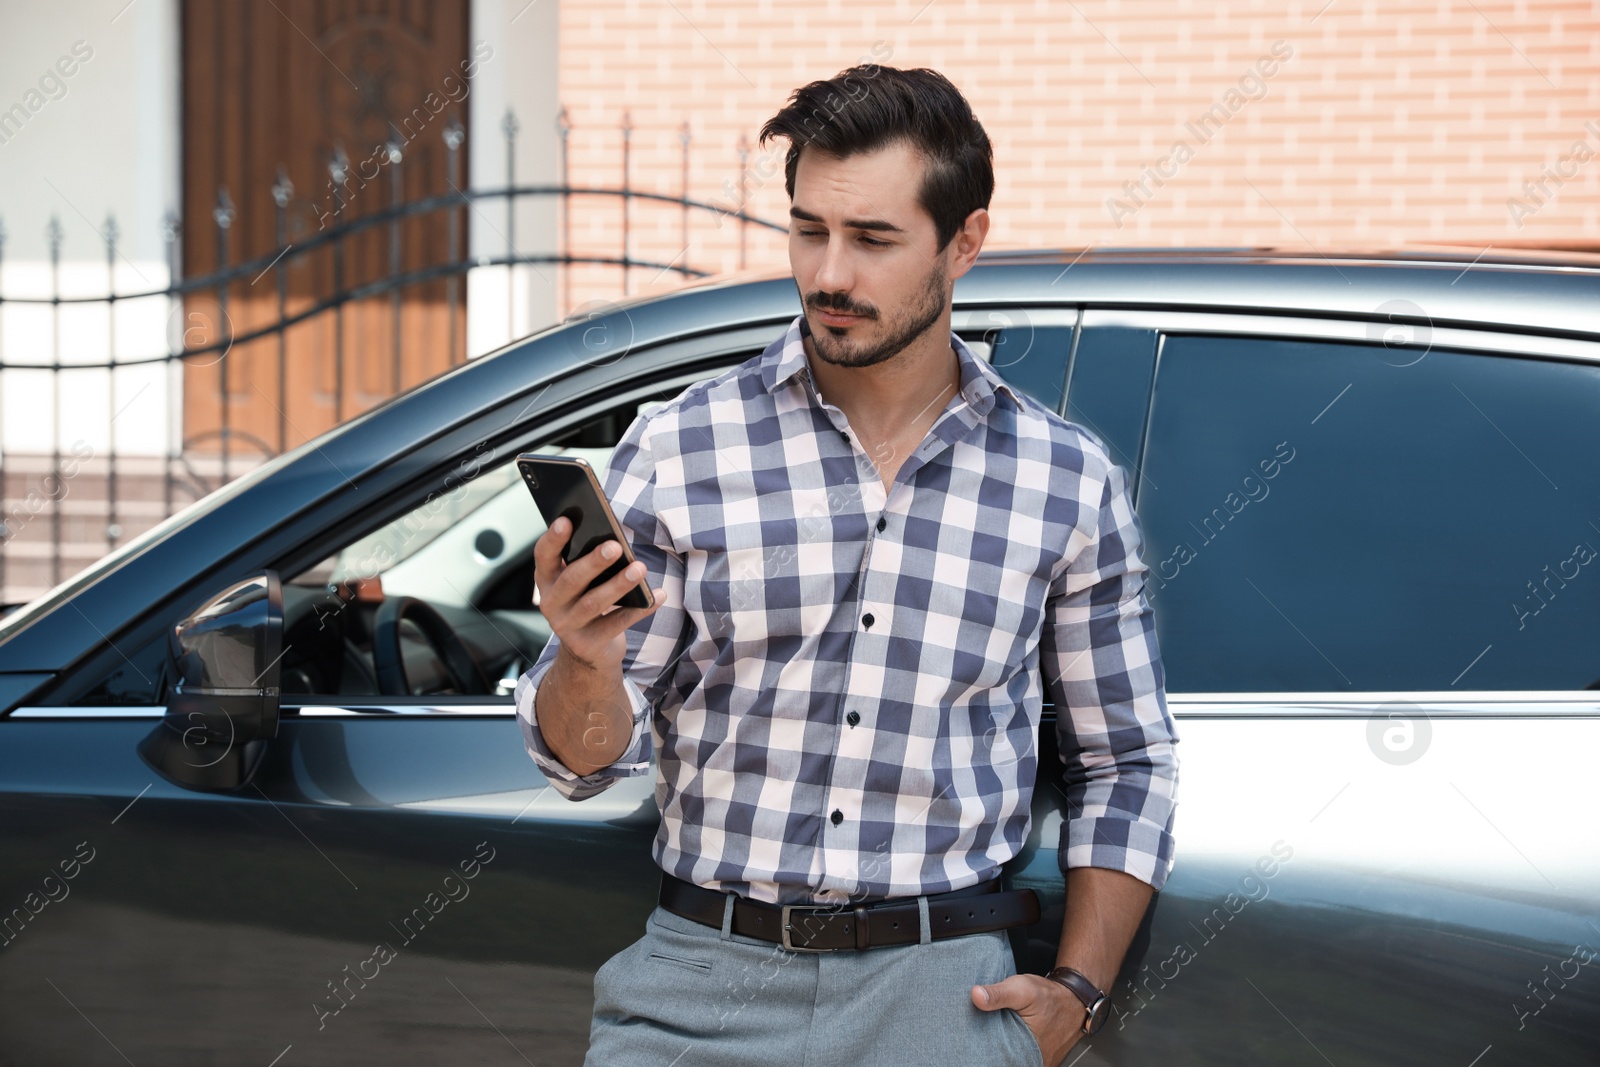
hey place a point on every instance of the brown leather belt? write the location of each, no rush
(827, 928)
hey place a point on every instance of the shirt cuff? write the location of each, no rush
(1136, 844)
(634, 761)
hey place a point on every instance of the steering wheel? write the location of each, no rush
(388, 657)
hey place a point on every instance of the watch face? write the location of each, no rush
(1098, 1014)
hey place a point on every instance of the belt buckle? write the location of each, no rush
(784, 929)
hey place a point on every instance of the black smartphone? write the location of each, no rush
(567, 486)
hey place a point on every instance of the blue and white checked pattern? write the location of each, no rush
(826, 646)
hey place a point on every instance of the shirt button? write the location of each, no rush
(867, 620)
(845, 436)
(882, 522)
(837, 817)
(853, 718)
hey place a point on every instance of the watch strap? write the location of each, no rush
(1089, 994)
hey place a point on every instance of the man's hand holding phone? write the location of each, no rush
(583, 708)
(588, 622)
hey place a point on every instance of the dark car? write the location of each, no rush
(265, 800)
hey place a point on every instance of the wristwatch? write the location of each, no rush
(1097, 1005)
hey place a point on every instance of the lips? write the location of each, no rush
(832, 318)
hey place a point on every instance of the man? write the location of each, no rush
(871, 559)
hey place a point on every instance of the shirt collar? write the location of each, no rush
(784, 361)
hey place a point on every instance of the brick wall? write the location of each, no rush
(1123, 122)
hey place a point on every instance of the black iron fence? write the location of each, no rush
(67, 504)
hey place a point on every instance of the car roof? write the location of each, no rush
(1538, 291)
(1411, 254)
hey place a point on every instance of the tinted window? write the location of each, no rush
(1110, 386)
(1030, 357)
(1329, 516)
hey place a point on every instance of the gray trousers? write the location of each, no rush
(685, 995)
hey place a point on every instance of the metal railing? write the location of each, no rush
(91, 500)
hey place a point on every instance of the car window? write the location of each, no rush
(465, 553)
(445, 547)
(1111, 375)
(1335, 516)
(386, 550)
(1029, 356)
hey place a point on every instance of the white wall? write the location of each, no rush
(88, 128)
(523, 74)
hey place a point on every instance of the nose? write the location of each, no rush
(835, 273)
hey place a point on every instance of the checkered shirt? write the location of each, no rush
(843, 684)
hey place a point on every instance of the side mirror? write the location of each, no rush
(223, 709)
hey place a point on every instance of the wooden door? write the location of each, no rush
(274, 89)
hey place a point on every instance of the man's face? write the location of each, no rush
(862, 251)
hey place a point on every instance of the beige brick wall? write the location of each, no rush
(1374, 124)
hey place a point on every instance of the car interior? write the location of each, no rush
(440, 599)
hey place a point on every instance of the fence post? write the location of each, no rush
(454, 134)
(5, 526)
(564, 196)
(53, 234)
(339, 172)
(744, 158)
(509, 127)
(392, 148)
(223, 215)
(282, 194)
(171, 227)
(683, 191)
(338, 178)
(113, 528)
(627, 194)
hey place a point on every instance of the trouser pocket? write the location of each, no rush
(1028, 1045)
(693, 965)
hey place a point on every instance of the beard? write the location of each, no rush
(838, 346)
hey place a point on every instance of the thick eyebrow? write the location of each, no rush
(879, 225)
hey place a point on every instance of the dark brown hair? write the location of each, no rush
(868, 107)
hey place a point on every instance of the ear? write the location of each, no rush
(968, 242)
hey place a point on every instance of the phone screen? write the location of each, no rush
(565, 488)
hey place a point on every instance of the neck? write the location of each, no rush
(893, 396)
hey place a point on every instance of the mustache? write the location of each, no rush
(839, 304)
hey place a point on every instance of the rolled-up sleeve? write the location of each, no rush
(654, 644)
(1102, 668)
(573, 786)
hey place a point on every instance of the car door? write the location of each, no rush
(1372, 557)
(396, 883)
